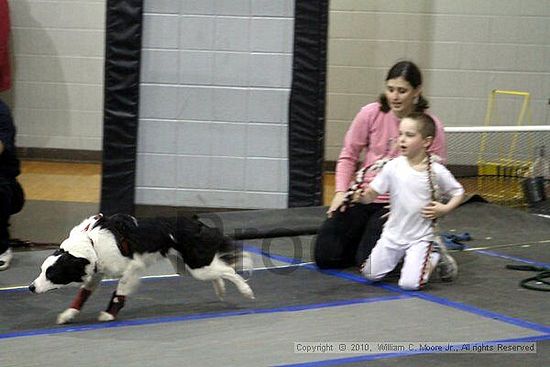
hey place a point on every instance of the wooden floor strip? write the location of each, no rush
(81, 182)
(61, 181)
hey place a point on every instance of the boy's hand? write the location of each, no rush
(434, 210)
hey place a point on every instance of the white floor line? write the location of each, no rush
(173, 275)
(505, 245)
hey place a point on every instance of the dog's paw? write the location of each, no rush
(248, 293)
(219, 288)
(67, 316)
(105, 316)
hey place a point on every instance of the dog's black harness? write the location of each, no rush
(124, 247)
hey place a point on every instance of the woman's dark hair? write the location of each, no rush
(411, 73)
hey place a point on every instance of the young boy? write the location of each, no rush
(11, 194)
(414, 182)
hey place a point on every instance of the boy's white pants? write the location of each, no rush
(419, 261)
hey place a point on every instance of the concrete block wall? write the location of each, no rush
(215, 85)
(216, 77)
(57, 48)
(465, 48)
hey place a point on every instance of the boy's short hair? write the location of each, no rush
(426, 124)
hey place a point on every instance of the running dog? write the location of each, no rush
(121, 246)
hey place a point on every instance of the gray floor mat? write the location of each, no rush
(262, 339)
(179, 320)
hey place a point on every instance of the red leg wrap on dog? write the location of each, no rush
(80, 298)
(116, 304)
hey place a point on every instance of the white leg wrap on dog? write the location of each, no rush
(239, 282)
(219, 269)
(67, 316)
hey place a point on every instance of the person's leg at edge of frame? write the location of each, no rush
(5, 257)
(6, 209)
(6, 253)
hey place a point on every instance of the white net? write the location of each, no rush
(494, 161)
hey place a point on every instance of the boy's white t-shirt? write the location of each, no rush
(410, 192)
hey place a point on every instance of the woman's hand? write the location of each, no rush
(336, 202)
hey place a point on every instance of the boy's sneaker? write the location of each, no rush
(5, 259)
(446, 268)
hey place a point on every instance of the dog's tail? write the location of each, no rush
(235, 256)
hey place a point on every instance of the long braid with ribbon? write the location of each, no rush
(432, 179)
(435, 196)
(434, 189)
(358, 186)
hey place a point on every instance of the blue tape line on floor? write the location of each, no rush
(514, 258)
(348, 276)
(421, 295)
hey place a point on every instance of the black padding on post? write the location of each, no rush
(122, 68)
(307, 104)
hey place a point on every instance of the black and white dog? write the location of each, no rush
(120, 246)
